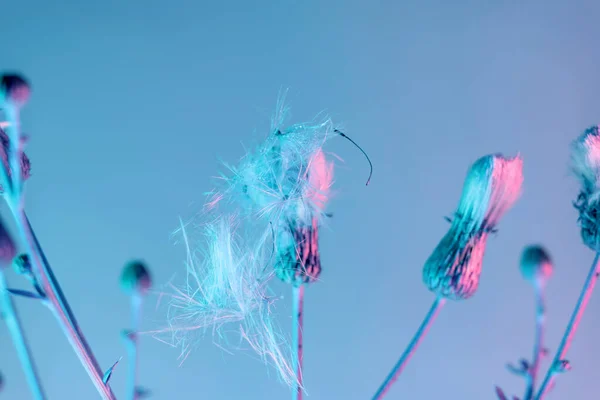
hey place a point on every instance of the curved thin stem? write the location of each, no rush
(8, 311)
(297, 342)
(565, 344)
(410, 350)
(342, 134)
(538, 347)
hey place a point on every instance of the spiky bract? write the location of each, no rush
(492, 186)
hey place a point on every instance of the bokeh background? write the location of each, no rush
(136, 101)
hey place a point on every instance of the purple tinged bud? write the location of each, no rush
(7, 247)
(15, 89)
(135, 278)
(536, 265)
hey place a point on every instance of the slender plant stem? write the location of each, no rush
(410, 350)
(11, 318)
(58, 303)
(54, 295)
(136, 310)
(297, 327)
(565, 344)
(538, 347)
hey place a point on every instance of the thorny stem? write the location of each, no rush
(538, 346)
(297, 342)
(410, 350)
(565, 344)
(136, 309)
(10, 316)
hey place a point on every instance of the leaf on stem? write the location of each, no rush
(25, 293)
(521, 370)
(500, 394)
(109, 372)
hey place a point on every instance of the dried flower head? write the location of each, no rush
(135, 278)
(15, 89)
(492, 186)
(298, 259)
(227, 278)
(536, 265)
(297, 247)
(585, 164)
(4, 150)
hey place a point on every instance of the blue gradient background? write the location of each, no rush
(134, 101)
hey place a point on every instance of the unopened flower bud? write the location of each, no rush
(135, 278)
(536, 265)
(492, 186)
(22, 264)
(14, 89)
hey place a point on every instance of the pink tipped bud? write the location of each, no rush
(492, 186)
(135, 278)
(15, 89)
(536, 265)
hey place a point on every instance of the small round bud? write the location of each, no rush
(561, 366)
(15, 89)
(536, 265)
(22, 264)
(135, 278)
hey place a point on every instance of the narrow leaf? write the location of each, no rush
(109, 372)
(25, 293)
(500, 394)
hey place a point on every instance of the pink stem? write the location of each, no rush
(586, 292)
(297, 326)
(410, 350)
